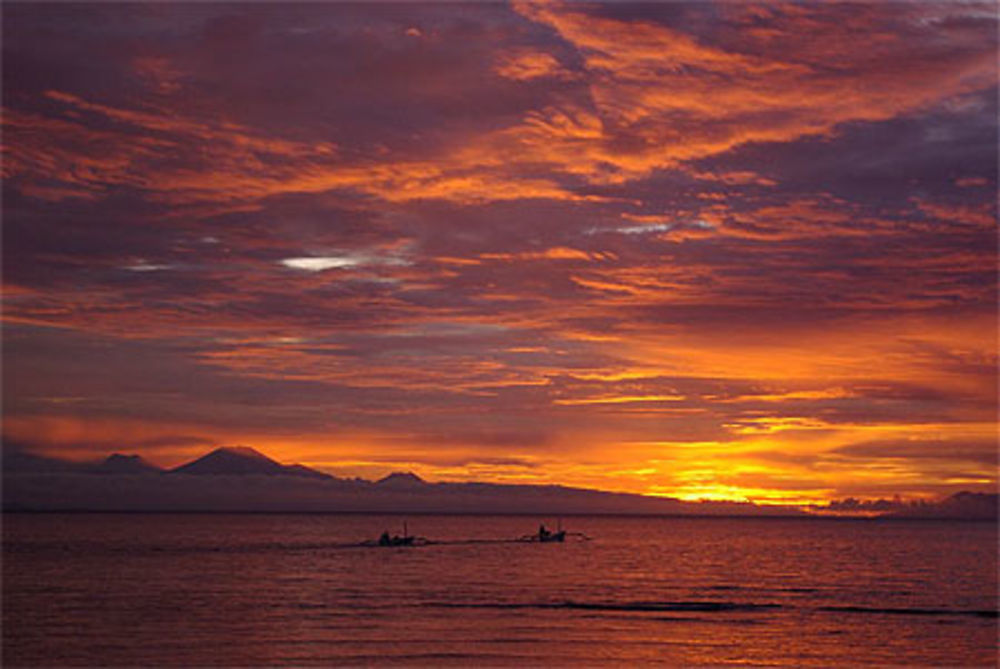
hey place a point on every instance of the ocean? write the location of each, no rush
(295, 590)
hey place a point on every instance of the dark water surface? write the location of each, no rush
(195, 590)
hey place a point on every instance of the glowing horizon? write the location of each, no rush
(701, 250)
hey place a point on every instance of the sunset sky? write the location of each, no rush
(731, 250)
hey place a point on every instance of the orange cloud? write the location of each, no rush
(523, 65)
(236, 163)
(554, 253)
(645, 93)
(620, 399)
(647, 110)
(981, 215)
(669, 320)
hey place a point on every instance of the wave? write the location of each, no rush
(703, 607)
(710, 607)
(979, 613)
(689, 606)
(727, 588)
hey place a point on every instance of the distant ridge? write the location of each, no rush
(118, 463)
(239, 479)
(243, 460)
(401, 481)
(307, 472)
(16, 461)
(960, 506)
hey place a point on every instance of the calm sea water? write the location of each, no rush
(154, 590)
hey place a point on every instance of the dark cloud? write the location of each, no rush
(980, 452)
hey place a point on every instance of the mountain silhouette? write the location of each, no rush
(242, 460)
(401, 481)
(307, 472)
(16, 460)
(237, 479)
(960, 506)
(117, 463)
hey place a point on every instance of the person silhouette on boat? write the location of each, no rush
(543, 533)
(384, 540)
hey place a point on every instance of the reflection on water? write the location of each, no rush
(296, 590)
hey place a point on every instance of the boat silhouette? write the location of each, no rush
(544, 535)
(396, 540)
(556, 537)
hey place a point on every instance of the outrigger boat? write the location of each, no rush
(546, 536)
(396, 540)
(558, 537)
(543, 535)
